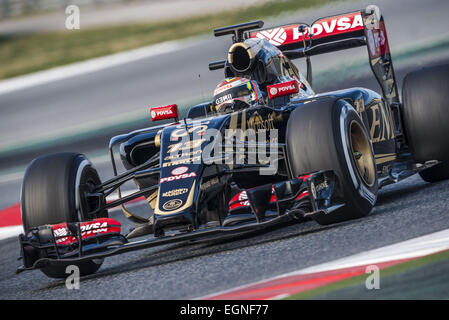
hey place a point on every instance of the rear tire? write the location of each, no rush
(50, 196)
(323, 135)
(425, 115)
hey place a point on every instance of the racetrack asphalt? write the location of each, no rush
(406, 210)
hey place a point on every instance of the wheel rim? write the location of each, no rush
(81, 167)
(361, 153)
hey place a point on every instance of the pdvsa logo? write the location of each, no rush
(275, 36)
(285, 88)
(179, 170)
(282, 89)
(161, 113)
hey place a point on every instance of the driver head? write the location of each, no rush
(236, 93)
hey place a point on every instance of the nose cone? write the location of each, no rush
(174, 207)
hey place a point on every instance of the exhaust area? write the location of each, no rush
(240, 57)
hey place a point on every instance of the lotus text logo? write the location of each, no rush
(275, 36)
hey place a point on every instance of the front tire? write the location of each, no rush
(328, 134)
(425, 115)
(50, 195)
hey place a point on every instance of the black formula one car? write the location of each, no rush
(329, 153)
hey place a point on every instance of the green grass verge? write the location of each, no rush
(23, 54)
(403, 267)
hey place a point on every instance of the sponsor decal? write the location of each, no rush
(282, 89)
(228, 84)
(60, 232)
(166, 112)
(182, 161)
(243, 198)
(257, 122)
(175, 192)
(172, 204)
(188, 145)
(322, 28)
(238, 201)
(198, 129)
(222, 89)
(179, 170)
(182, 155)
(178, 177)
(275, 36)
(376, 43)
(223, 99)
(381, 123)
(96, 227)
(175, 205)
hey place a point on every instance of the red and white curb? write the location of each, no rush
(313, 277)
(11, 220)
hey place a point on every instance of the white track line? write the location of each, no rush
(413, 248)
(88, 66)
(9, 232)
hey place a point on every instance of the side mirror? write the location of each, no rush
(165, 112)
(302, 28)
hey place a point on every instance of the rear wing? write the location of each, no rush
(325, 35)
(329, 34)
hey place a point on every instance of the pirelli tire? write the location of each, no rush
(426, 118)
(328, 134)
(50, 195)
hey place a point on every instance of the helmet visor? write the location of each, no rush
(242, 93)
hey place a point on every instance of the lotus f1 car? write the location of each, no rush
(331, 152)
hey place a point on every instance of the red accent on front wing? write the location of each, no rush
(100, 226)
(240, 200)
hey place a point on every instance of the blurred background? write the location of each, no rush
(72, 89)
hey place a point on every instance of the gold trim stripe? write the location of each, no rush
(382, 155)
(385, 159)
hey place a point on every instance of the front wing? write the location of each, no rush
(42, 247)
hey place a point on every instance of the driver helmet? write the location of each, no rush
(236, 93)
